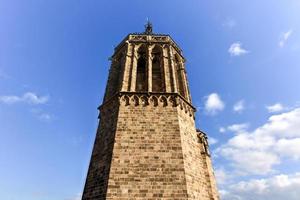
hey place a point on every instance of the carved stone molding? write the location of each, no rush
(150, 99)
(202, 139)
(137, 38)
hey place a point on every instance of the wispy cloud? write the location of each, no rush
(229, 23)
(222, 130)
(28, 97)
(213, 104)
(284, 37)
(239, 106)
(212, 140)
(236, 128)
(222, 176)
(42, 115)
(45, 117)
(277, 107)
(236, 49)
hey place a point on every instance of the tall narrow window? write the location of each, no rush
(157, 70)
(179, 77)
(141, 77)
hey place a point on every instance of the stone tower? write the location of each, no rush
(147, 146)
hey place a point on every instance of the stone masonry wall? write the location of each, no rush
(198, 172)
(98, 173)
(147, 161)
(148, 148)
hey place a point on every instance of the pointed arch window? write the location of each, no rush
(157, 70)
(141, 76)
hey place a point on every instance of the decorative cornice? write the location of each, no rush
(151, 99)
(148, 38)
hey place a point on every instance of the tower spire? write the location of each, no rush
(148, 27)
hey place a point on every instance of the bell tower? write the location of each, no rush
(147, 146)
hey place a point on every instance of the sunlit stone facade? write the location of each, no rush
(147, 146)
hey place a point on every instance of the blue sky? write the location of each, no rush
(243, 66)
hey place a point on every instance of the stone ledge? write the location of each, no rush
(161, 99)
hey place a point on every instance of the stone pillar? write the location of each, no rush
(126, 65)
(167, 73)
(171, 60)
(149, 68)
(135, 58)
(185, 84)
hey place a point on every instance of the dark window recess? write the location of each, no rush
(157, 81)
(141, 78)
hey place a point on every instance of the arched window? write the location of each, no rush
(179, 78)
(141, 76)
(157, 70)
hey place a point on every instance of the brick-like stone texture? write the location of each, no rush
(147, 160)
(98, 174)
(148, 148)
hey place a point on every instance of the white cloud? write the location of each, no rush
(214, 104)
(238, 128)
(284, 125)
(288, 148)
(239, 106)
(222, 176)
(257, 152)
(277, 187)
(236, 49)
(250, 161)
(212, 140)
(284, 37)
(28, 97)
(277, 107)
(222, 130)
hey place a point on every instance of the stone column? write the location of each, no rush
(167, 73)
(171, 60)
(126, 65)
(149, 68)
(185, 84)
(135, 58)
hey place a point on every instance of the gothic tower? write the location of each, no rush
(147, 146)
